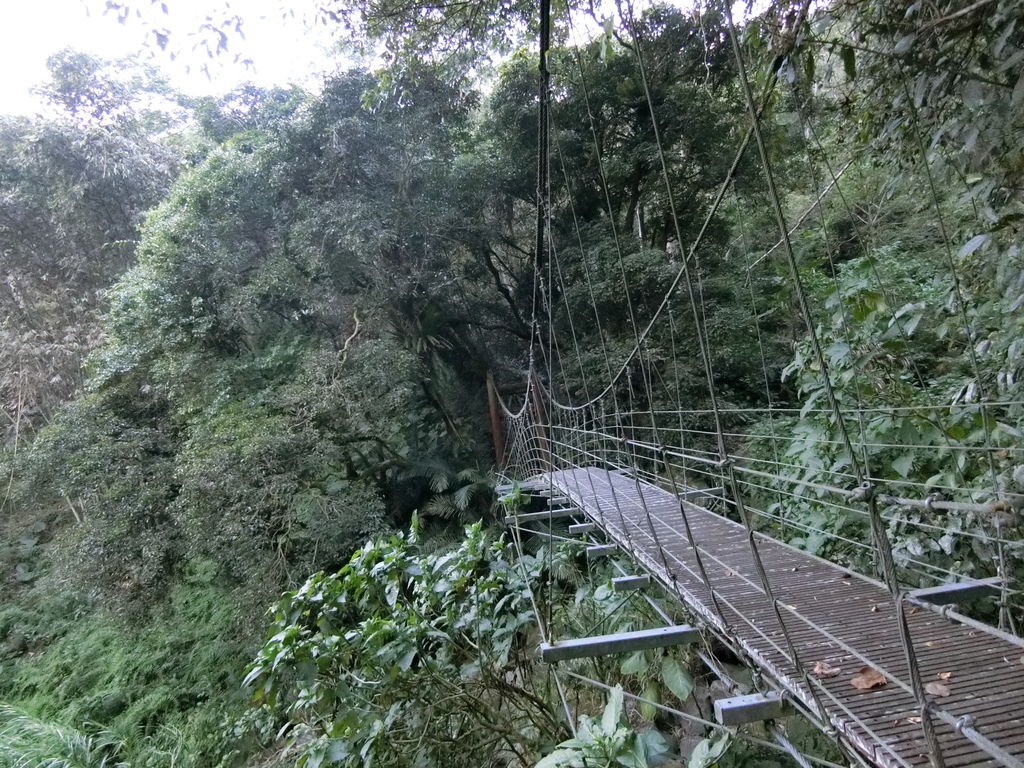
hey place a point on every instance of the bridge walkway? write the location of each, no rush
(835, 620)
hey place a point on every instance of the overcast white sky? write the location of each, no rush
(282, 49)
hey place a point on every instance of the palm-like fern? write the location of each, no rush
(460, 496)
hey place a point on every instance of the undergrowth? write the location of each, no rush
(157, 692)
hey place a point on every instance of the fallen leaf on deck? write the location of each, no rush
(824, 669)
(915, 720)
(868, 678)
(945, 675)
(937, 689)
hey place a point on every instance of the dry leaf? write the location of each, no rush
(914, 610)
(945, 675)
(915, 720)
(868, 678)
(937, 689)
(874, 609)
(823, 669)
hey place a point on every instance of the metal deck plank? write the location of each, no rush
(648, 523)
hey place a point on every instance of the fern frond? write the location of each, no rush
(440, 482)
(462, 497)
(440, 506)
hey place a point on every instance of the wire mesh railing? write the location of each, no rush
(825, 514)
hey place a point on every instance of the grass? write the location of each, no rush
(160, 691)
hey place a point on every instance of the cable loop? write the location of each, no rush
(967, 721)
(864, 492)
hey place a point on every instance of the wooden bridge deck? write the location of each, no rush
(983, 673)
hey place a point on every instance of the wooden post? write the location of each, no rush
(497, 433)
(539, 421)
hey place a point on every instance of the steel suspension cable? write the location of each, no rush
(725, 461)
(878, 531)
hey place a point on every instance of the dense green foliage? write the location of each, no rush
(243, 340)
(74, 191)
(915, 271)
(405, 656)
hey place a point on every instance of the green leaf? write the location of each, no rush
(849, 58)
(613, 711)
(653, 743)
(709, 751)
(904, 464)
(904, 43)
(1017, 98)
(809, 65)
(561, 758)
(337, 750)
(677, 679)
(634, 664)
(652, 692)
(972, 245)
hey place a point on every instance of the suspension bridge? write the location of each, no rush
(867, 667)
(884, 658)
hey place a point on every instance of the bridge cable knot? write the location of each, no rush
(863, 492)
(967, 721)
